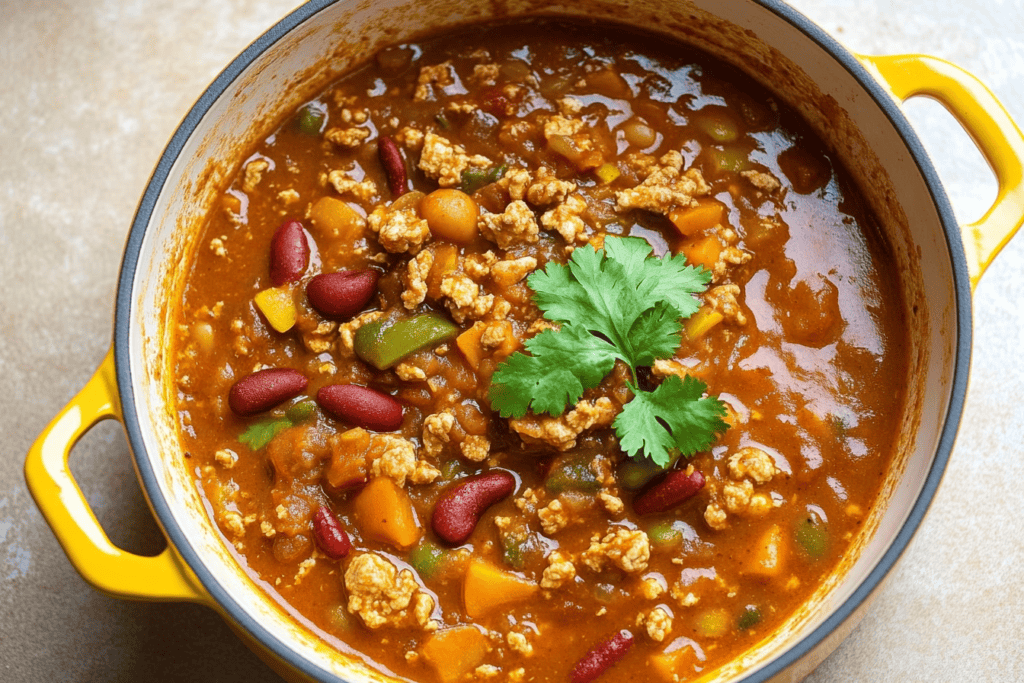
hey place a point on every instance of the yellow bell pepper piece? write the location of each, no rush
(701, 322)
(277, 306)
(607, 172)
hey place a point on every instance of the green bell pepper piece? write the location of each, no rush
(427, 558)
(572, 473)
(384, 343)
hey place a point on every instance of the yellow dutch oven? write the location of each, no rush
(851, 101)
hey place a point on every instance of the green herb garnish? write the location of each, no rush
(749, 618)
(259, 434)
(614, 303)
(475, 178)
(310, 119)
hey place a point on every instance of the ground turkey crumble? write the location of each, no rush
(736, 495)
(440, 429)
(723, 300)
(565, 219)
(627, 549)
(561, 432)
(347, 138)
(765, 182)
(433, 77)
(664, 187)
(515, 225)
(658, 623)
(554, 517)
(560, 571)
(399, 231)
(363, 191)
(383, 596)
(395, 458)
(465, 298)
(416, 279)
(506, 273)
(445, 161)
(544, 190)
(254, 171)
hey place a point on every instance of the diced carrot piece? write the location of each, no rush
(486, 588)
(703, 252)
(446, 260)
(384, 512)
(769, 554)
(675, 662)
(334, 217)
(348, 459)
(701, 322)
(454, 652)
(692, 220)
(278, 307)
(469, 343)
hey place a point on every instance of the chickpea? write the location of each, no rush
(203, 334)
(638, 133)
(451, 215)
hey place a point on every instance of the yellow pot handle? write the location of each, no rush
(108, 568)
(988, 124)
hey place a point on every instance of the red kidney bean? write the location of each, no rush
(329, 534)
(361, 406)
(289, 253)
(394, 165)
(676, 487)
(495, 102)
(601, 657)
(458, 510)
(342, 294)
(265, 389)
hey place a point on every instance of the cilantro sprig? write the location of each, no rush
(259, 434)
(614, 303)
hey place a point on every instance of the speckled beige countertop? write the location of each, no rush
(91, 92)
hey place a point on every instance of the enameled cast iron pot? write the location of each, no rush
(851, 101)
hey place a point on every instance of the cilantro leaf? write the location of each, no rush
(657, 334)
(259, 434)
(550, 379)
(616, 302)
(674, 415)
(606, 291)
(666, 279)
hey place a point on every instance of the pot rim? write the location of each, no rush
(280, 648)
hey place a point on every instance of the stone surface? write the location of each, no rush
(93, 89)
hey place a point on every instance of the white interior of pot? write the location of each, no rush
(333, 39)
